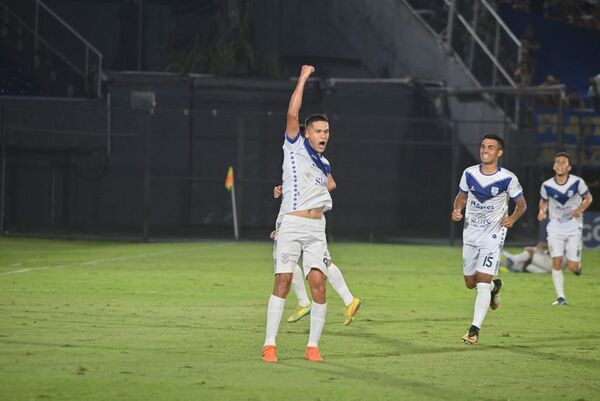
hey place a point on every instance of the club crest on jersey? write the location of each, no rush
(495, 191)
(570, 193)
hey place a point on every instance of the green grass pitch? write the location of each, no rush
(185, 321)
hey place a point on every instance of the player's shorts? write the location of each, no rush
(481, 258)
(568, 245)
(300, 237)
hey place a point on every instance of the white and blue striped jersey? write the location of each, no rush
(562, 199)
(304, 177)
(487, 203)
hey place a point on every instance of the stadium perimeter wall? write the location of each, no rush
(125, 167)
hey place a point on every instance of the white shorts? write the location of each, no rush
(568, 245)
(482, 259)
(300, 237)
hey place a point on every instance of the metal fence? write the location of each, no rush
(89, 168)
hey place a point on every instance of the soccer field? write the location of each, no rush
(185, 321)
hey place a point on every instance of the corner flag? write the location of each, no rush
(229, 184)
(229, 179)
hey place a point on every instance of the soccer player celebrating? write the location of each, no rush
(301, 231)
(484, 189)
(565, 197)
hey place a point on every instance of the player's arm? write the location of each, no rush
(587, 201)
(293, 114)
(542, 210)
(459, 204)
(331, 185)
(520, 208)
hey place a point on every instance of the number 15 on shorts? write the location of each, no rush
(488, 261)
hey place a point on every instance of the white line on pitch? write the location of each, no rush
(90, 262)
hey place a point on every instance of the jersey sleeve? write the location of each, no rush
(462, 186)
(292, 144)
(515, 190)
(543, 192)
(582, 188)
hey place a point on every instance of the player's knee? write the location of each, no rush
(318, 283)
(318, 287)
(282, 285)
(470, 282)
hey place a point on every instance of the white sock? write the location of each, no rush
(317, 321)
(482, 303)
(339, 284)
(559, 283)
(274, 312)
(299, 288)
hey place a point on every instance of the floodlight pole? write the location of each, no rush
(147, 176)
(3, 177)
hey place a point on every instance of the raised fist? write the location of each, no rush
(306, 71)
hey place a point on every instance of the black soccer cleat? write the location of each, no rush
(472, 336)
(495, 300)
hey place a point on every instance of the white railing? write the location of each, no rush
(49, 35)
(45, 19)
(504, 51)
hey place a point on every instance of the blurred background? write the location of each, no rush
(120, 118)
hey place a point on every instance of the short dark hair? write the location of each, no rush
(563, 154)
(495, 138)
(315, 117)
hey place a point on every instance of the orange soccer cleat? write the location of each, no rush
(269, 353)
(313, 354)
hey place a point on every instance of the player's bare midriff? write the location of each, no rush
(315, 213)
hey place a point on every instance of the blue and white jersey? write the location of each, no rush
(562, 199)
(487, 203)
(304, 178)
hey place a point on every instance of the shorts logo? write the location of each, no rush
(285, 258)
(495, 191)
(326, 261)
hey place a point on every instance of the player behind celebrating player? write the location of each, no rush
(301, 231)
(565, 197)
(484, 189)
(334, 274)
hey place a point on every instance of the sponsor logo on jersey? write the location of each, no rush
(321, 181)
(479, 206)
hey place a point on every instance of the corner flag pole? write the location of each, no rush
(230, 185)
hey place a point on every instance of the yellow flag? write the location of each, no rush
(229, 179)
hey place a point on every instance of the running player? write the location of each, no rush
(564, 198)
(485, 189)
